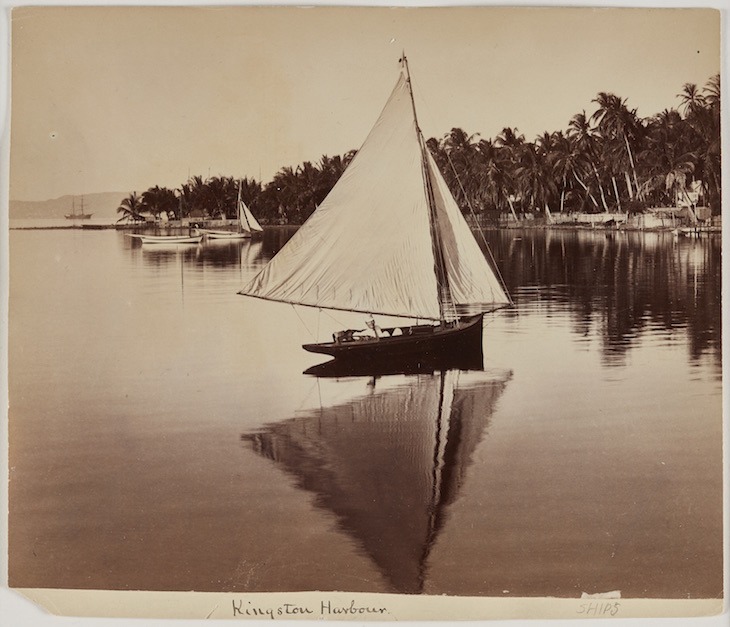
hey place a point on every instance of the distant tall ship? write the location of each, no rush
(80, 215)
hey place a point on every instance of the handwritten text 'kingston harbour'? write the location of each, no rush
(247, 609)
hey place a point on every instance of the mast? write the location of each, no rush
(447, 309)
(436, 503)
(238, 209)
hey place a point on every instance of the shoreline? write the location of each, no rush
(703, 230)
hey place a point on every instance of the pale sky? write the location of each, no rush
(122, 99)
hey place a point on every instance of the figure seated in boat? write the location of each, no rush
(350, 335)
(374, 327)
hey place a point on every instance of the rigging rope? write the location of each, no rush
(332, 317)
(303, 323)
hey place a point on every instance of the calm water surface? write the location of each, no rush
(163, 435)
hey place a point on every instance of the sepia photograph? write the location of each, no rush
(365, 313)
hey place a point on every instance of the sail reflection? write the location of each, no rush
(388, 462)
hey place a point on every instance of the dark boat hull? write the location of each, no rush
(439, 346)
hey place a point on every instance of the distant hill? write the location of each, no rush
(103, 205)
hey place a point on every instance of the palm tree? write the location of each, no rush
(157, 200)
(438, 153)
(194, 195)
(547, 156)
(331, 169)
(310, 189)
(584, 139)
(461, 157)
(565, 165)
(702, 113)
(219, 196)
(712, 91)
(131, 208)
(709, 156)
(511, 143)
(510, 138)
(692, 99)
(617, 123)
(491, 177)
(668, 156)
(250, 190)
(534, 175)
(284, 189)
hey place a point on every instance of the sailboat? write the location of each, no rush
(77, 216)
(247, 224)
(389, 239)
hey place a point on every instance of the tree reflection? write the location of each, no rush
(622, 282)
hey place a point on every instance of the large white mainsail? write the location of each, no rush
(368, 247)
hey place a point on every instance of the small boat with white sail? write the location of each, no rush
(390, 240)
(247, 224)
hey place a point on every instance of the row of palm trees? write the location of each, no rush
(291, 196)
(609, 161)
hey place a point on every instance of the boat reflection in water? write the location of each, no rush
(214, 253)
(389, 461)
(339, 367)
(226, 253)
